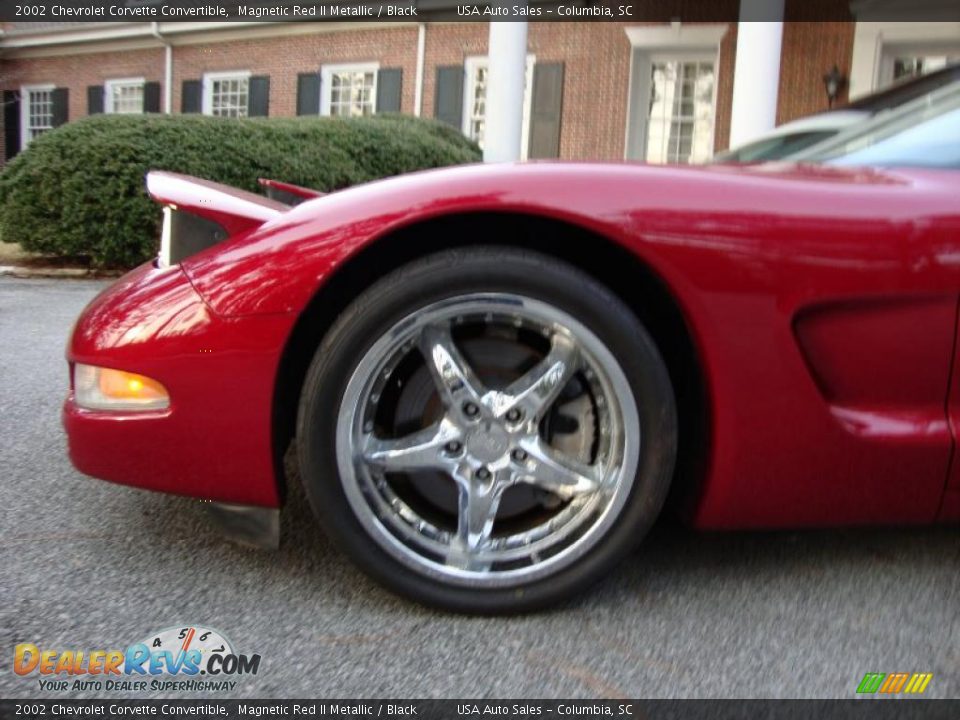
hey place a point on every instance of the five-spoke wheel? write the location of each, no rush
(487, 440)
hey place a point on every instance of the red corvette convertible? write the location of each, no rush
(496, 375)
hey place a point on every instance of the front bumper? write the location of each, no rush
(214, 441)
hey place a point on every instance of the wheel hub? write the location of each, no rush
(488, 442)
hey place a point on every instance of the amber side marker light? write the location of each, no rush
(97, 388)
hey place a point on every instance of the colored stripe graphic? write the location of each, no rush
(871, 682)
(893, 683)
(918, 683)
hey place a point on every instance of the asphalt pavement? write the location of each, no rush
(90, 565)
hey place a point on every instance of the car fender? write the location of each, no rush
(745, 252)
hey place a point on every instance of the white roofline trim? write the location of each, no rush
(676, 34)
(108, 31)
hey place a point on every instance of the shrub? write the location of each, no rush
(79, 190)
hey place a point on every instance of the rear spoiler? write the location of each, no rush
(199, 213)
(235, 210)
(287, 192)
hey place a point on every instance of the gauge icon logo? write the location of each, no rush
(188, 650)
(184, 638)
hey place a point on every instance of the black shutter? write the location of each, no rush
(94, 99)
(151, 97)
(61, 106)
(190, 96)
(448, 100)
(258, 98)
(389, 84)
(11, 123)
(308, 94)
(547, 106)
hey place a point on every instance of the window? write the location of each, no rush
(475, 100)
(886, 51)
(36, 111)
(349, 90)
(476, 104)
(907, 66)
(123, 96)
(679, 126)
(226, 94)
(672, 101)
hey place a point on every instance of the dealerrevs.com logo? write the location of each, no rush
(187, 659)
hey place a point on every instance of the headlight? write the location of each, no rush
(97, 388)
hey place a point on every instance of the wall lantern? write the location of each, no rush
(833, 82)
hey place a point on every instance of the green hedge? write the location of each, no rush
(78, 191)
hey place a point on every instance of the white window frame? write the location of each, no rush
(470, 65)
(25, 91)
(206, 106)
(326, 81)
(677, 41)
(871, 66)
(692, 56)
(892, 52)
(108, 87)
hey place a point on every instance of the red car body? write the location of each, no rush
(821, 304)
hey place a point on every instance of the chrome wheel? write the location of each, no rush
(487, 440)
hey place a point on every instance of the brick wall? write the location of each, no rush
(724, 107)
(77, 72)
(809, 50)
(596, 59)
(283, 58)
(449, 45)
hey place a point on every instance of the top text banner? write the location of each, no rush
(28, 15)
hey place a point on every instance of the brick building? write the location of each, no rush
(661, 92)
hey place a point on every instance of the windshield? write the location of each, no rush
(774, 148)
(923, 133)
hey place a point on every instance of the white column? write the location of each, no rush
(168, 68)
(421, 53)
(756, 78)
(503, 135)
(168, 80)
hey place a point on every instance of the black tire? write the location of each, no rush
(486, 269)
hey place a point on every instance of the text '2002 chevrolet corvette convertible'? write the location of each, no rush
(494, 375)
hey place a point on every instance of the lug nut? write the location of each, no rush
(518, 455)
(483, 474)
(514, 415)
(453, 447)
(470, 409)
